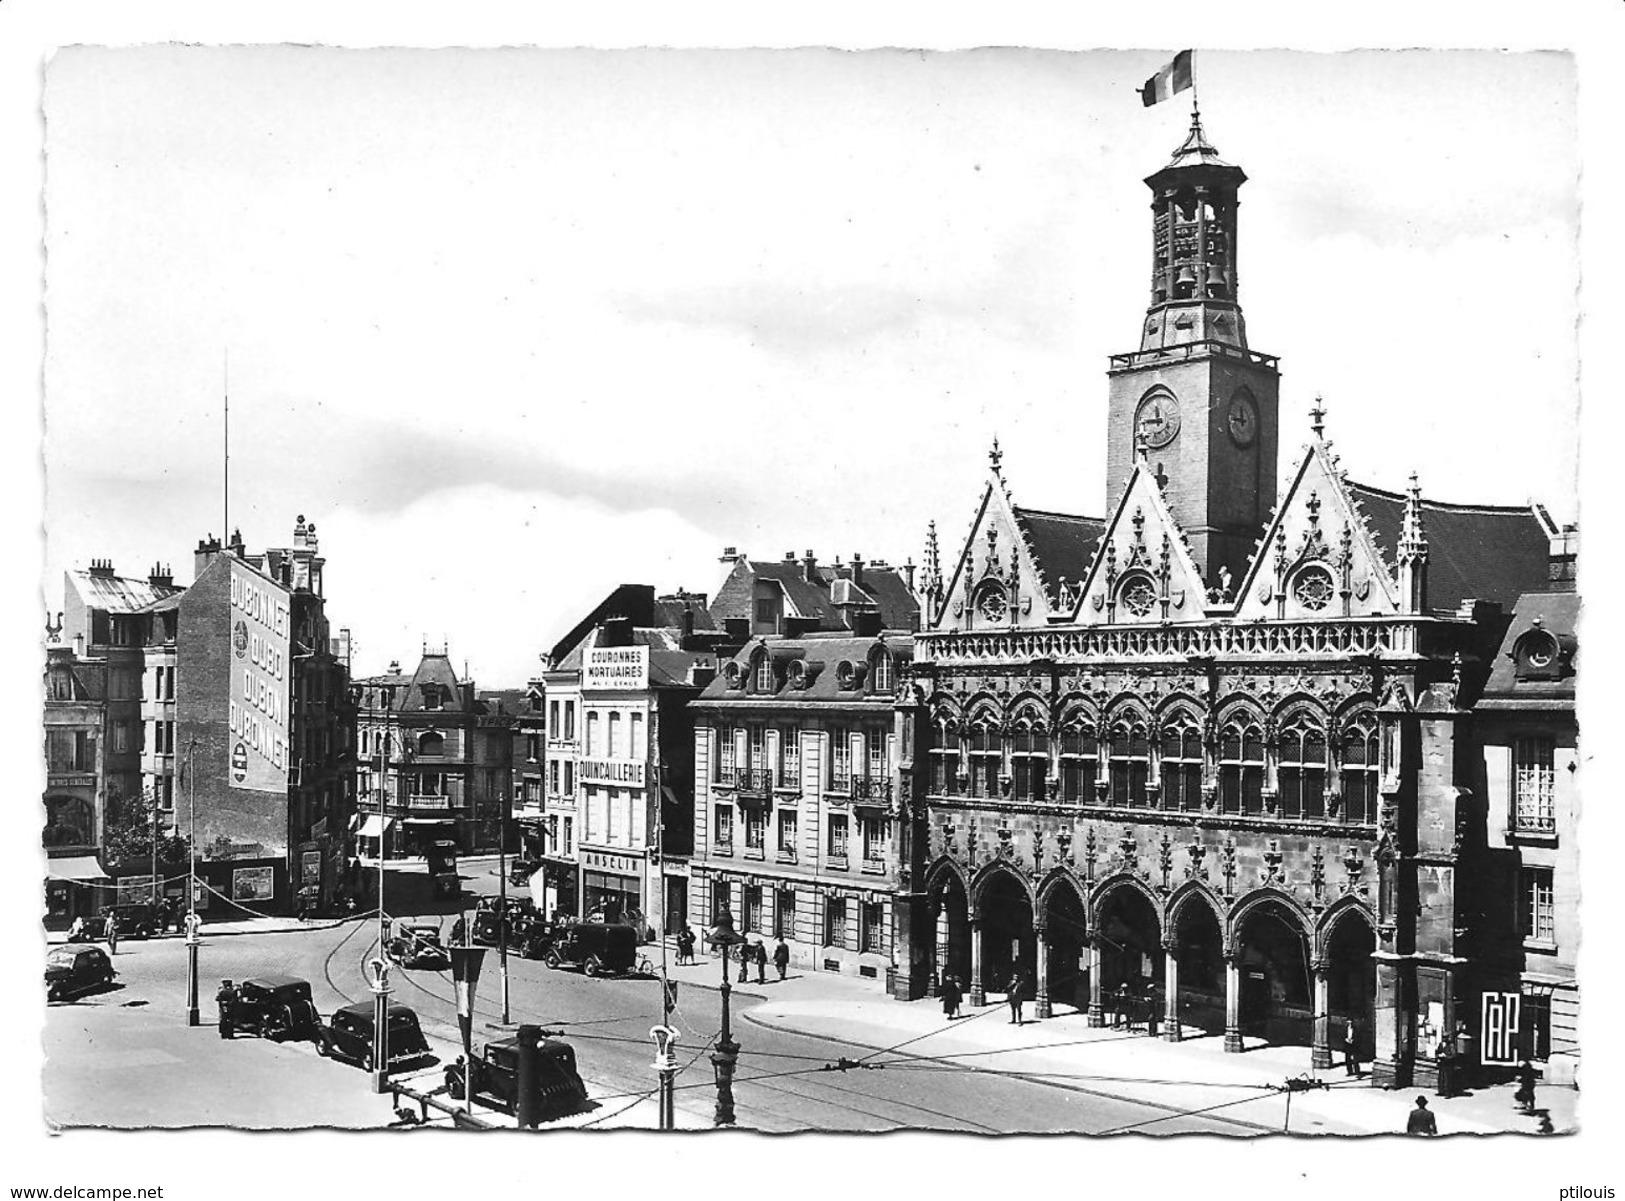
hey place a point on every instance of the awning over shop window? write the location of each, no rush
(375, 825)
(431, 821)
(76, 867)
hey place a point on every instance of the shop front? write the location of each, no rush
(555, 888)
(612, 887)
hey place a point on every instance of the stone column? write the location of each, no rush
(1097, 1012)
(1041, 1005)
(1170, 980)
(1232, 1002)
(1320, 1051)
(978, 995)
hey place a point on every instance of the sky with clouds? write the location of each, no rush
(516, 326)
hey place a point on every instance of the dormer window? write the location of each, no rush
(734, 674)
(762, 676)
(882, 667)
(432, 698)
(1538, 655)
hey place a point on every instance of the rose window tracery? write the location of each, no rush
(993, 606)
(1139, 597)
(1314, 589)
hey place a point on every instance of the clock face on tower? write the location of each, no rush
(1242, 421)
(1157, 420)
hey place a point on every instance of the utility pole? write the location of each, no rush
(380, 1030)
(191, 885)
(502, 904)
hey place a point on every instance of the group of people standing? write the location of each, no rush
(750, 952)
(952, 994)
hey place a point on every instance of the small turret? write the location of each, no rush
(1413, 553)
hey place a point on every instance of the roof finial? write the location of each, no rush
(995, 457)
(1317, 417)
(1142, 447)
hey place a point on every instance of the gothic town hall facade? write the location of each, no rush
(1219, 747)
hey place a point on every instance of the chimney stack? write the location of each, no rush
(809, 566)
(160, 577)
(857, 569)
(102, 568)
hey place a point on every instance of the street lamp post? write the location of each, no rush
(191, 886)
(378, 982)
(723, 936)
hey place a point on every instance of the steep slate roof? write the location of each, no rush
(118, 594)
(1558, 614)
(1062, 544)
(668, 611)
(1480, 552)
(433, 669)
(883, 587)
(669, 665)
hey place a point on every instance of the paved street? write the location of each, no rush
(125, 1057)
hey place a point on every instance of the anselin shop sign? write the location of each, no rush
(616, 669)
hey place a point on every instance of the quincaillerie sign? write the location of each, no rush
(611, 771)
(616, 669)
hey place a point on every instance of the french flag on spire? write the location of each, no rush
(1175, 77)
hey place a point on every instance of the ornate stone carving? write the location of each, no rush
(1227, 865)
(1038, 851)
(1006, 849)
(1196, 869)
(1271, 871)
(1165, 859)
(1089, 854)
(1128, 850)
(1063, 840)
(1317, 873)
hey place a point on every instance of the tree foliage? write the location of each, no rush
(129, 838)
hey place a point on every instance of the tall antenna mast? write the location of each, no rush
(225, 482)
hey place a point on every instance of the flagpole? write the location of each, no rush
(1195, 106)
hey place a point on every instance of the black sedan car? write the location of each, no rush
(275, 1007)
(75, 971)
(418, 945)
(348, 1036)
(559, 1087)
(520, 912)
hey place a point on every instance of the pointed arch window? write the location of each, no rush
(985, 755)
(944, 758)
(1241, 767)
(1129, 758)
(1029, 760)
(1358, 770)
(1301, 769)
(1182, 764)
(1080, 758)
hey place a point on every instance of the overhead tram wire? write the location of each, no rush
(1193, 1113)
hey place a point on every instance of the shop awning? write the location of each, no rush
(76, 867)
(431, 821)
(374, 826)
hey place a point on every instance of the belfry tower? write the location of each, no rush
(1205, 405)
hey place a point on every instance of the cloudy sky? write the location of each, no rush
(515, 326)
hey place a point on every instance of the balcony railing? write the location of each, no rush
(867, 790)
(722, 846)
(758, 780)
(873, 866)
(835, 861)
(755, 852)
(787, 854)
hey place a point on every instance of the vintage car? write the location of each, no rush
(521, 916)
(75, 971)
(441, 859)
(597, 948)
(521, 870)
(418, 945)
(136, 919)
(559, 1088)
(275, 1007)
(348, 1036)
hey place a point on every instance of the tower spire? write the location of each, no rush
(1317, 420)
(1413, 552)
(933, 576)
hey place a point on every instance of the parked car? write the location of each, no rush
(275, 1007)
(597, 948)
(418, 945)
(348, 1035)
(75, 971)
(521, 914)
(559, 1088)
(136, 919)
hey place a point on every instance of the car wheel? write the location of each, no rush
(552, 960)
(595, 965)
(321, 1048)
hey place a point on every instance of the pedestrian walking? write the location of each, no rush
(76, 932)
(759, 952)
(781, 959)
(685, 944)
(951, 997)
(1123, 1012)
(112, 933)
(1525, 1096)
(1151, 1008)
(1421, 1120)
(744, 962)
(1016, 994)
(1351, 1058)
(223, 999)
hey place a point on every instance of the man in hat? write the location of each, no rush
(224, 999)
(1421, 1120)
